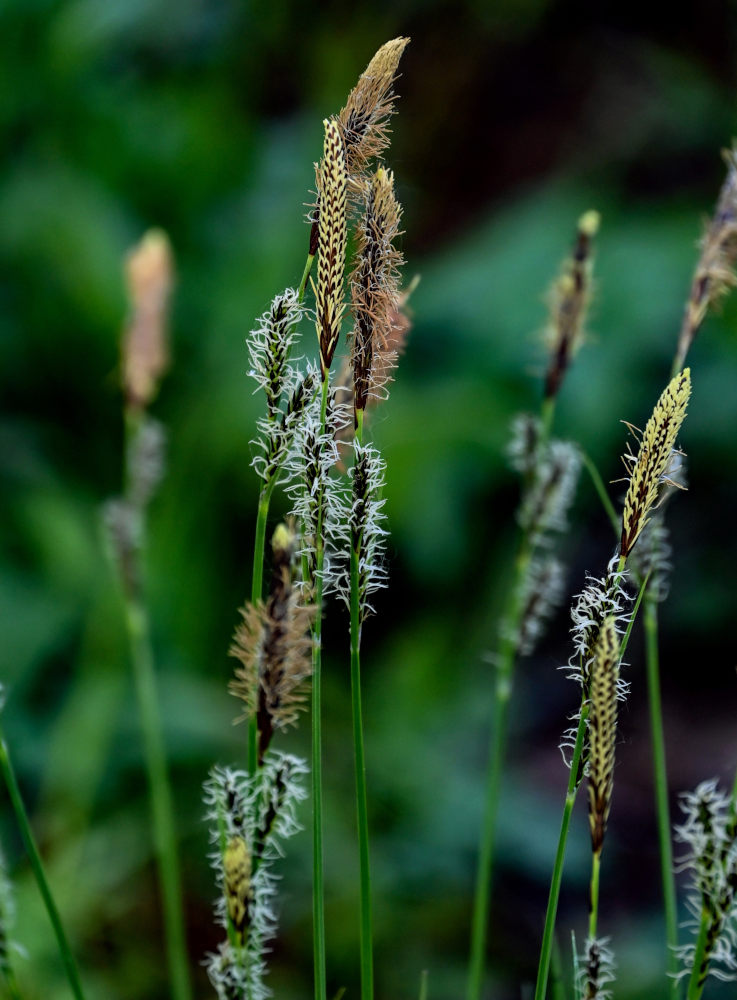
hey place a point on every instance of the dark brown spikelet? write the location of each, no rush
(602, 730)
(569, 300)
(714, 274)
(145, 349)
(274, 648)
(374, 282)
(329, 294)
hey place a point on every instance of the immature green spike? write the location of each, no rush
(237, 871)
(602, 730)
(650, 466)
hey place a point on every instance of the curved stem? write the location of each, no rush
(34, 857)
(600, 488)
(661, 789)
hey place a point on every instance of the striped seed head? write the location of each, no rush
(273, 646)
(332, 182)
(269, 346)
(596, 970)
(363, 122)
(237, 879)
(715, 270)
(374, 281)
(568, 301)
(602, 730)
(648, 469)
(149, 273)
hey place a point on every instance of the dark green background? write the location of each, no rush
(205, 118)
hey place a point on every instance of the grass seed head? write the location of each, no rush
(602, 730)
(332, 180)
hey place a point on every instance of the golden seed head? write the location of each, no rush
(237, 883)
(602, 729)
(648, 469)
(332, 180)
(145, 351)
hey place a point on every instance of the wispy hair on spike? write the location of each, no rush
(715, 271)
(710, 834)
(595, 970)
(366, 525)
(602, 730)
(569, 300)
(542, 592)
(274, 648)
(278, 439)
(374, 282)
(269, 347)
(332, 180)
(545, 505)
(648, 469)
(7, 920)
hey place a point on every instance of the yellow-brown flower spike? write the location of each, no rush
(332, 181)
(714, 274)
(374, 282)
(145, 350)
(648, 469)
(363, 121)
(274, 648)
(237, 884)
(602, 730)
(569, 300)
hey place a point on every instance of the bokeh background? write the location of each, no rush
(204, 117)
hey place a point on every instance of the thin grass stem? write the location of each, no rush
(318, 887)
(661, 789)
(557, 986)
(594, 894)
(600, 488)
(698, 973)
(500, 718)
(162, 810)
(257, 589)
(423, 984)
(34, 857)
(305, 277)
(366, 932)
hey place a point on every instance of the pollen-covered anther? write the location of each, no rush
(332, 180)
(648, 468)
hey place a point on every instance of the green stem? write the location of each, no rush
(305, 276)
(557, 878)
(502, 697)
(12, 984)
(661, 789)
(423, 985)
(594, 894)
(34, 857)
(557, 986)
(602, 493)
(257, 590)
(366, 934)
(318, 889)
(698, 974)
(162, 810)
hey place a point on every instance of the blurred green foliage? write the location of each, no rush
(204, 117)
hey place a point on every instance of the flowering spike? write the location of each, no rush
(648, 469)
(602, 730)
(332, 180)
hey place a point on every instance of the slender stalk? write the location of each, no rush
(318, 889)
(12, 985)
(661, 789)
(160, 796)
(557, 986)
(366, 934)
(602, 493)
(557, 878)
(423, 984)
(34, 857)
(257, 590)
(698, 973)
(305, 276)
(594, 894)
(502, 696)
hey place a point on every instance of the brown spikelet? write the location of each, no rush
(237, 884)
(274, 648)
(374, 281)
(569, 300)
(602, 730)
(145, 350)
(363, 122)
(648, 469)
(714, 274)
(331, 188)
